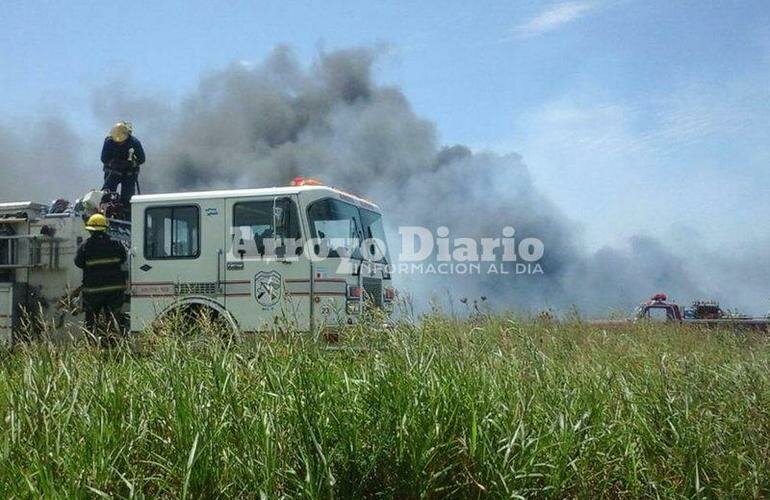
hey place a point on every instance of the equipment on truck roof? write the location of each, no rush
(59, 206)
(706, 309)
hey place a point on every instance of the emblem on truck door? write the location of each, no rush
(267, 288)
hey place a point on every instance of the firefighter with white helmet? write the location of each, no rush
(122, 154)
(104, 282)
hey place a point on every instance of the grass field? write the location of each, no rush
(498, 408)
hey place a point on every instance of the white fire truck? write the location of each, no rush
(307, 255)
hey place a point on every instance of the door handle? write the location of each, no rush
(219, 270)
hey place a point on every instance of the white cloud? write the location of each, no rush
(553, 18)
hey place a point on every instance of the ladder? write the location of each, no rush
(25, 251)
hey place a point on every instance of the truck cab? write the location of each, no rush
(658, 308)
(306, 255)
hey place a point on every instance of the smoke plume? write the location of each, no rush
(39, 160)
(256, 125)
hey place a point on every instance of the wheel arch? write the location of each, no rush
(203, 302)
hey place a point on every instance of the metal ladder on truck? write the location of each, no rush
(20, 253)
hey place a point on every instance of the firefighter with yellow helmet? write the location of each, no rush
(122, 154)
(104, 282)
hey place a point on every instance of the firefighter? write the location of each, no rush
(122, 154)
(104, 284)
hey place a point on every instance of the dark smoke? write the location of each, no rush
(39, 160)
(260, 125)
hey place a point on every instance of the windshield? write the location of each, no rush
(343, 227)
(336, 225)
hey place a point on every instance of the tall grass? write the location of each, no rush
(497, 408)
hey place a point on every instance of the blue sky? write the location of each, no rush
(634, 116)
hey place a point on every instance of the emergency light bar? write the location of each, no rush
(305, 181)
(309, 181)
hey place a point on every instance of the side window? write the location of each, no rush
(253, 221)
(171, 233)
(338, 225)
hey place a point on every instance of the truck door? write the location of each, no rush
(267, 275)
(177, 257)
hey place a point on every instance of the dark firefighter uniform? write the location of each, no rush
(104, 283)
(122, 154)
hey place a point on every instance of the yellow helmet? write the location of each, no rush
(120, 132)
(97, 222)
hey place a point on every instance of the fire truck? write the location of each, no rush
(306, 255)
(706, 313)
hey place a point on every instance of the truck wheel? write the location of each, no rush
(197, 320)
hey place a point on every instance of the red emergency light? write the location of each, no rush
(659, 297)
(305, 181)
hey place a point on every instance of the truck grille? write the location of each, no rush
(195, 288)
(373, 289)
